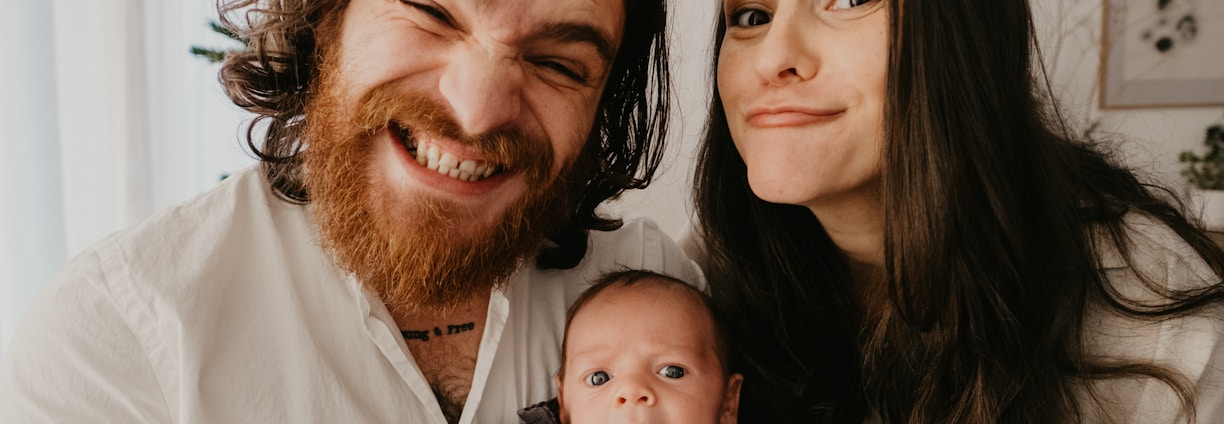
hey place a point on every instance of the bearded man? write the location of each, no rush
(407, 250)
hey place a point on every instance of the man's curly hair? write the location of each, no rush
(275, 76)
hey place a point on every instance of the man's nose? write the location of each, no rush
(484, 89)
(635, 393)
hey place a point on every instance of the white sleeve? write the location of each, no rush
(650, 248)
(693, 245)
(1191, 346)
(75, 359)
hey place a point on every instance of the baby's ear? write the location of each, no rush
(561, 414)
(730, 404)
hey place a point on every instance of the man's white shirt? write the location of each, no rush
(225, 309)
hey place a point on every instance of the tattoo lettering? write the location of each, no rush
(423, 335)
(410, 335)
(456, 329)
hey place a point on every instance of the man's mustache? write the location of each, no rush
(420, 114)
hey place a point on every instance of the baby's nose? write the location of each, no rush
(635, 393)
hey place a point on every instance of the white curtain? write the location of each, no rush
(31, 237)
(105, 118)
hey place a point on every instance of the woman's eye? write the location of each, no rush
(847, 4)
(752, 17)
(598, 378)
(672, 371)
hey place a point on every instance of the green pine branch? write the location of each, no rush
(216, 55)
(221, 29)
(213, 56)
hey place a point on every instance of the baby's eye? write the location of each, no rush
(749, 18)
(598, 378)
(846, 4)
(672, 371)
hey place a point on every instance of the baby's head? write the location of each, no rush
(640, 346)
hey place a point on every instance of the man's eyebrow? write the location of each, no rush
(579, 32)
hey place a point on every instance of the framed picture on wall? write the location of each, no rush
(1162, 53)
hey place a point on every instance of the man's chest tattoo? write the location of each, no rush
(424, 335)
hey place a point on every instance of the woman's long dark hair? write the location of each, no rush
(993, 213)
(274, 78)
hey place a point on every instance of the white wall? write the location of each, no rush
(1069, 33)
(667, 200)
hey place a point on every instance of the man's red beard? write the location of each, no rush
(410, 250)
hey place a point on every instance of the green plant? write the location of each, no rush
(1207, 171)
(215, 55)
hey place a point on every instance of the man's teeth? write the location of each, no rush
(445, 163)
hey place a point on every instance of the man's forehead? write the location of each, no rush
(555, 18)
(542, 6)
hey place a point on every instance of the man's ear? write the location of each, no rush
(730, 404)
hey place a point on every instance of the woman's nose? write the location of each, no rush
(786, 54)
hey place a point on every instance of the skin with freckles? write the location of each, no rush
(415, 96)
(645, 352)
(907, 229)
(493, 66)
(802, 83)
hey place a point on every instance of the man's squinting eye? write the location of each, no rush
(431, 10)
(752, 17)
(672, 371)
(598, 378)
(564, 69)
(847, 4)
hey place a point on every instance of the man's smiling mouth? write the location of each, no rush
(431, 155)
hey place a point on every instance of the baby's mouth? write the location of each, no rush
(432, 156)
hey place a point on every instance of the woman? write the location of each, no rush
(900, 230)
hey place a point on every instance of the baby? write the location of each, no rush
(642, 347)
